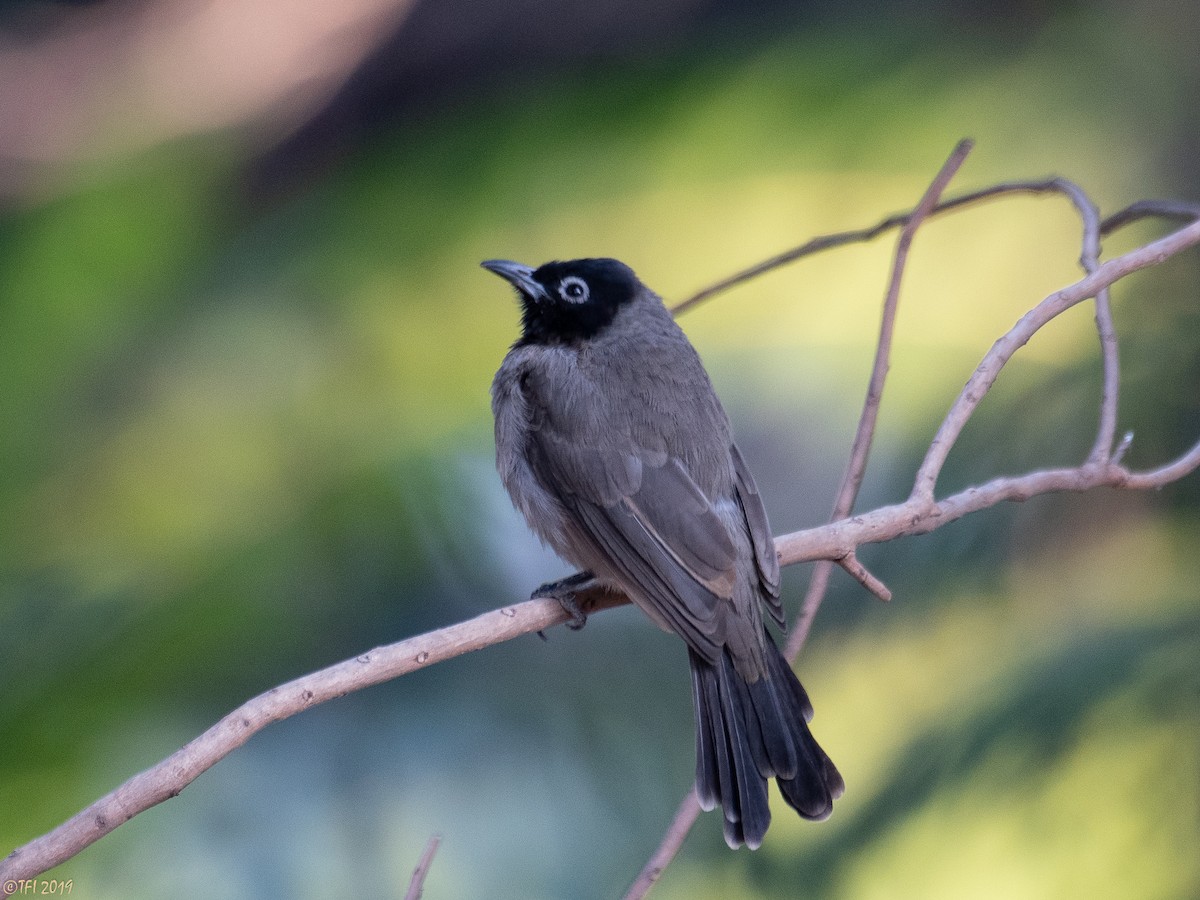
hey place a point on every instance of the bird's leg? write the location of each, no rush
(564, 592)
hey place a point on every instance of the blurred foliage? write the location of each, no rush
(244, 441)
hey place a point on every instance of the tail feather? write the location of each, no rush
(778, 756)
(714, 770)
(747, 818)
(811, 796)
(749, 732)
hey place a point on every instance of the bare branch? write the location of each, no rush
(681, 825)
(417, 885)
(1150, 209)
(863, 576)
(860, 449)
(1106, 430)
(1002, 351)
(1162, 209)
(1163, 475)
(1122, 448)
(1089, 258)
(169, 777)
(818, 584)
(914, 516)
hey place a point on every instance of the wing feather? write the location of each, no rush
(642, 518)
(765, 558)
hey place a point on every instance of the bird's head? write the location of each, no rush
(566, 302)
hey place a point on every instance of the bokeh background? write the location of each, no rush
(245, 351)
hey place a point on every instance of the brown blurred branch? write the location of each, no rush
(838, 540)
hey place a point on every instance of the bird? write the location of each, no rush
(612, 443)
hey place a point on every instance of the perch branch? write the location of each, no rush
(169, 777)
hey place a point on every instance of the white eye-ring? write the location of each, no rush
(573, 289)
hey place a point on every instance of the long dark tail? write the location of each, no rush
(747, 733)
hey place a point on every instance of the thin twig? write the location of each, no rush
(818, 584)
(863, 576)
(860, 449)
(914, 516)
(417, 884)
(1089, 259)
(1122, 448)
(1002, 351)
(1150, 209)
(685, 816)
(1145, 209)
(856, 466)
(1153, 479)
(1106, 429)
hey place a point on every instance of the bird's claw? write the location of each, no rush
(564, 592)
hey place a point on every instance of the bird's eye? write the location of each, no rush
(573, 289)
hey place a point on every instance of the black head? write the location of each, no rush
(565, 302)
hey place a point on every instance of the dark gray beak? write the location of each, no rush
(518, 275)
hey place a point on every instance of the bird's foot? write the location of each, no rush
(564, 592)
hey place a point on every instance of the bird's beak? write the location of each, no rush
(518, 275)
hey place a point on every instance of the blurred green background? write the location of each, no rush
(245, 352)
